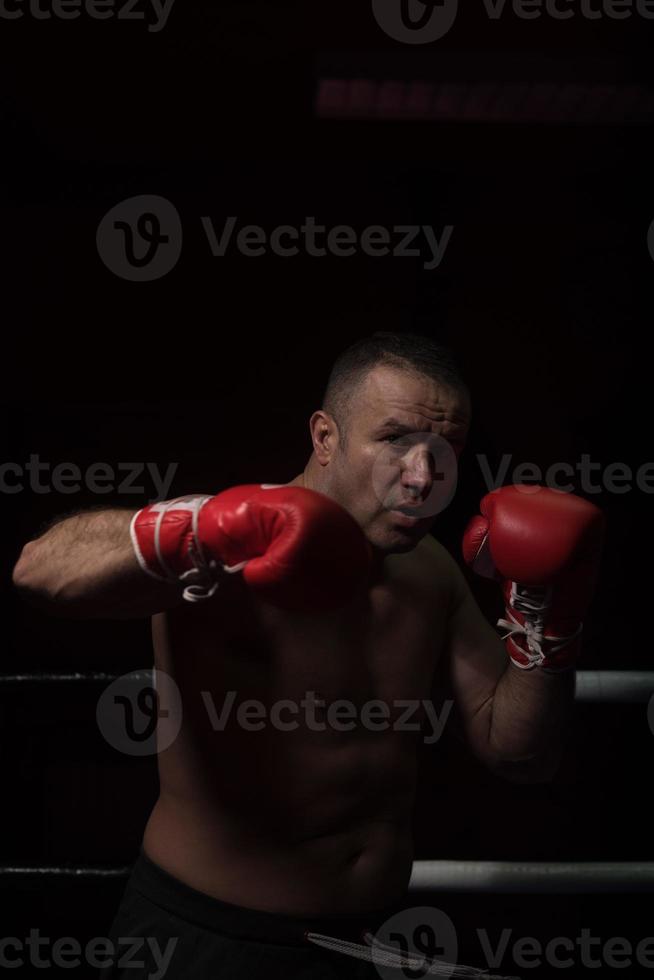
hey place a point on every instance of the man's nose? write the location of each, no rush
(419, 471)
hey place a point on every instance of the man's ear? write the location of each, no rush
(324, 435)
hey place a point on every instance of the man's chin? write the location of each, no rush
(400, 547)
(399, 539)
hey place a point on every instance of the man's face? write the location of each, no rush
(397, 469)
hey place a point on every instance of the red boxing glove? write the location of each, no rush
(544, 546)
(297, 549)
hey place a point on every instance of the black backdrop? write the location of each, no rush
(544, 294)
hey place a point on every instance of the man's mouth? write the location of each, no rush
(410, 509)
(405, 516)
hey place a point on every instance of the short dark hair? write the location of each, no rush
(408, 351)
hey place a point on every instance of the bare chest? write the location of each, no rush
(383, 648)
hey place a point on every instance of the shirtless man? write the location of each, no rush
(262, 837)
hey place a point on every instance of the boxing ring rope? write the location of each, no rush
(471, 877)
(614, 685)
(592, 686)
(533, 877)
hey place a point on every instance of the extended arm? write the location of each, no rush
(117, 564)
(85, 567)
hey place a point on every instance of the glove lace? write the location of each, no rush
(534, 604)
(202, 580)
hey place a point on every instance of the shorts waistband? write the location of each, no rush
(239, 922)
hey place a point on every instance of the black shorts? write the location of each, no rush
(165, 929)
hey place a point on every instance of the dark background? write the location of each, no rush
(544, 294)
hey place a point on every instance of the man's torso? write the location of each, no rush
(284, 808)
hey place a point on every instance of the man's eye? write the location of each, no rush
(391, 438)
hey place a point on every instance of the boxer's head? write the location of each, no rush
(394, 420)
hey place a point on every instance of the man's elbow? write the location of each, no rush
(23, 576)
(30, 579)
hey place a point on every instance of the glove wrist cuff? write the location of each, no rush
(529, 629)
(167, 545)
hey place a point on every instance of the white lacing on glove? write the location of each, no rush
(206, 574)
(382, 955)
(204, 577)
(534, 604)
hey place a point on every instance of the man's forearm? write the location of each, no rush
(85, 566)
(530, 715)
